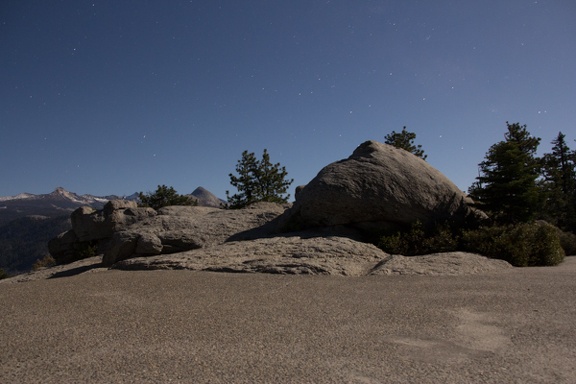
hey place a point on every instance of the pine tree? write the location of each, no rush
(258, 180)
(405, 140)
(506, 186)
(164, 196)
(559, 185)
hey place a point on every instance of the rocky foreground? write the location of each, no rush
(268, 261)
(110, 326)
(244, 241)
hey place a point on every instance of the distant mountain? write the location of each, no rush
(206, 198)
(57, 203)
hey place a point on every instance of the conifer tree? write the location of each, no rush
(164, 196)
(258, 180)
(405, 140)
(506, 185)
(559, 185)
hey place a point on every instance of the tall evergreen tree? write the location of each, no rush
(405, 140)
(258, 180)
(559, 185)
(506, 185)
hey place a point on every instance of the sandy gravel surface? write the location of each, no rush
(516, 326)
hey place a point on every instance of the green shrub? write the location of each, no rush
(45, 262)
(522, 245)
(85, 250)
(3, 274)
(568, 242)
(395, 244)
(527, 244)
(164, 196)
(443, 239)
(420, 241)
(482, 240)
(547, 249)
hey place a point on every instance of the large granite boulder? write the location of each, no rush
(379, 187)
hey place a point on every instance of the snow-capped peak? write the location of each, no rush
(62, 193)
(59, 194)
(20, 196)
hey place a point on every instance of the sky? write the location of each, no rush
(116, 97)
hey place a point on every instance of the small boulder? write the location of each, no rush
(63, 247)
(120, 214)
(122, 247)
(115, 205)
(89, 224)
(148, 244)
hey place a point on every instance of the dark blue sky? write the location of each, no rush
(114, 97)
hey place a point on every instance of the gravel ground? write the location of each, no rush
(109, 326)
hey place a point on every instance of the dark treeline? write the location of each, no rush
(516, 186)
(530, 202)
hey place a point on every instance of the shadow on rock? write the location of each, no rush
(75, 271)
(277, 228)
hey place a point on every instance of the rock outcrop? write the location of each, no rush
(179, 228)
(122, 230)
(379, 187)
(439, 264)
(91, 227)
(90, 224)
(296, 254)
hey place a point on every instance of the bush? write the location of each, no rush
(568, 242)
(46, 262)
(547, 249)
(3, 274)
(528, 244)
(483, 241)
(522, 245)
(85, 250)
(420, 241)
(164, 196)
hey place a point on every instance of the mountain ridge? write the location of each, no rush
(63, 193)
(200, 193)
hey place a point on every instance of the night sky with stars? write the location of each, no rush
(115, 97)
